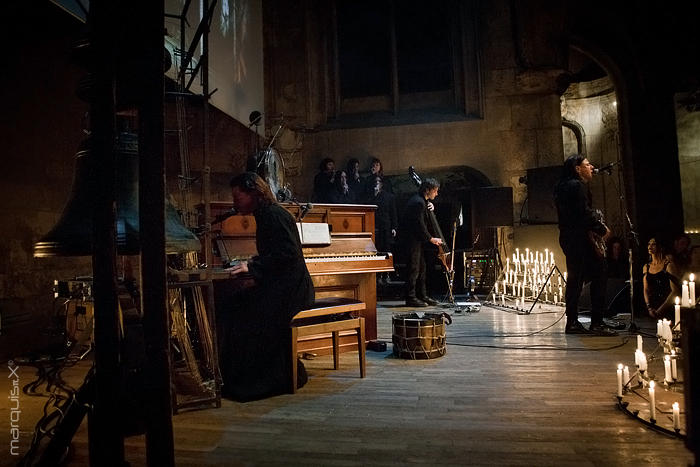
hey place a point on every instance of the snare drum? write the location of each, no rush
(419, 338)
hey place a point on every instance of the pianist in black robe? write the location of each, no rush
(255, 360)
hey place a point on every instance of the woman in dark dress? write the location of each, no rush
(661, 284)
(255, 360)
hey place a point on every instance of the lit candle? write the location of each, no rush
(640, 347)
(494, 297)
(674, 368)
(636, 357)
(659, 329)
(677, 311)
(691, 286)
(626, 375)
(676, 416)
(552, 258)
(503, 299)
(556, 299)
(667, 369)
(495, 289)
(652, 402)
(685, 295)
(619, 380)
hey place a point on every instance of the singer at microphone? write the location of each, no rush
(606, 168)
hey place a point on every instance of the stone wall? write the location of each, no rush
(520, 128)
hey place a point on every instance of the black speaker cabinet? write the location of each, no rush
(540, 194)
(492, 206)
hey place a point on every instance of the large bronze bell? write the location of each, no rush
(72, 235)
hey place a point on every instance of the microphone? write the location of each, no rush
(305, 208)
(606, 168)
(224, 215)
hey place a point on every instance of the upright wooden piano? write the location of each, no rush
(345, 268)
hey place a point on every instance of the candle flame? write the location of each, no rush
(619, 366)
(678, 300)
(675, 406)
(692, 277)
(667, 358)
(651, 385)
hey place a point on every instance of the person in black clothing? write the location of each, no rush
(376, 169)
(385, 222)
(323, 181)
(255, 359)
(385, 218)
(415, 235)
(661, 282)
(681, 254)
(617, 263)
(342, 194)
(576, 220)
(355, 181)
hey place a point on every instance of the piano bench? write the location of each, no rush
(329, 315)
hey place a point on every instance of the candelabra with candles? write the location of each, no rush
(660, 398)
(530, 276)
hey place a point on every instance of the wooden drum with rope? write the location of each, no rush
(419, 338)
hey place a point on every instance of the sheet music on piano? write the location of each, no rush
(316, 233)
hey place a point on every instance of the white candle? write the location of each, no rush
(685, 295)
(546, 256)
(559, 280)
(626, 375)
(652, 402)
(636, 357)
(674, 368)
(503, 299)
(659, 329)
(666, 329)
(556, 299)
(676, 416)
(677, 312)
(552, 258)
(619, 380)
(642, 361)
(495, 289)
(691, 286)
(494, 297)
(667, 369)
(640, 347)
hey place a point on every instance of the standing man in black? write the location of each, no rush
(416, 235)
(577, 220)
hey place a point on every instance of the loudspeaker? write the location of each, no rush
(540, 194)
(492, 206)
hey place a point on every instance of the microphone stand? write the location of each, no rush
(631, 235)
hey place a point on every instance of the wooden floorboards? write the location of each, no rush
(546, 399)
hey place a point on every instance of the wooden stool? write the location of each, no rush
(322, 313)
